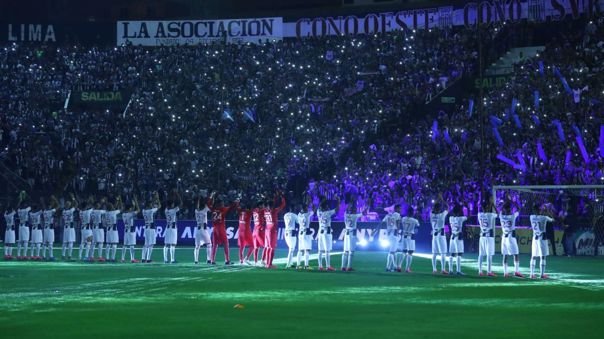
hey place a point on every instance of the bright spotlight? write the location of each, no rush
(362, 243)
(384, 243)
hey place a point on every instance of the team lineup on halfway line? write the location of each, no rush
(97, 224)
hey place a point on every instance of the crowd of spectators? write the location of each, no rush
(227, 117)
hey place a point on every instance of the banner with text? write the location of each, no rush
(194, 32)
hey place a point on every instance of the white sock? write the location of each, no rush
(434, 262)
(87, 246)
(100, 250)
(114, 249)
(196, 254)
(320, 259)
(306, 258)
(92, 249)
(131, 253)
(350, 255)
(124, 253)
(327, 259)
(165, 253)
(70, 249)
(64, 249)
(450, 263)
(172, 252)
(458, 259)
(144, 256)
(149, 252)
(516, 266)
(298, 257)
(479, 263)
(533, 261)
(290, 256)
(19, 249)
(542, 266)
(81, 250)
(209, 252)
(489, 263)
(409, 260)
(505, 266)
(344, 259)
(107, 252)
(443, 262)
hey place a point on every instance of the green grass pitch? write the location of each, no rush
(76, 300)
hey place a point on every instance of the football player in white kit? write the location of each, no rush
(23, 243)
(290, 218)
(409, 227)
(98, 234)
(85, 230)
(393, 223)
(49, 229)
(171, 233)
(350, 235)
(325, 238)
(509, 245)
(540, 246)
(304, 236)
(9, 234)
(486, 243)
(150, 233)
(456, 247)
(69, 236)
(35, 220)
(439, 240)
(112, 237)
(202, 236)
(129, 230)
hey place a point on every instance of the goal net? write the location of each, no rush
(578, 211)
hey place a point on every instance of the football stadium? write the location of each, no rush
(302, 168)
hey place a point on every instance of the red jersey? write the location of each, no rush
(258, 214)
(245, 217)
(271, 215)
(219, 213)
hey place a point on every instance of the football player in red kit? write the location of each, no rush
(258, 233)
(271, 217)
(245, 238)
(219, 236)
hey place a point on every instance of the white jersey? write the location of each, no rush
(456, 224)
(201, 216)
(111, 217)
(409, 225)
(438, 222)
(10, 219)
(68, 216)
(487, 224)
(23, 215)
(128, 218)
(171, 215)
(350, 220)
(392, 221)
(49, 217)
(508, 223)
(325, 218)
(97, 216)
(539, 223)
(35, 218)
(149, 215)
(85, 216)
(304, 220)
(290, 221)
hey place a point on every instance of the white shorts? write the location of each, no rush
(456, 246)
(49, 235)
(23, 233)
(129, 238)
(69, 234)
(9, 237)
(350, 242)
(407, 244)
(98, 235)
(150, 236)
(86, 233)
(291, 240)
(393, 241)
(112, 237)
(509, 246)
(486, 246)
(36, 236)
(170, 236)
(540, 248)
(325, 241)
(202, 237)
(304, 242)
(439, 244)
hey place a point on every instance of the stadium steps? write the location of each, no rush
(505, 64)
